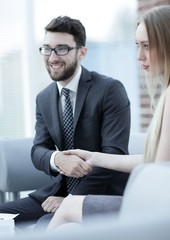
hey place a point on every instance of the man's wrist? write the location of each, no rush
(53, 165)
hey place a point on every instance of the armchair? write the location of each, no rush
(17, 172)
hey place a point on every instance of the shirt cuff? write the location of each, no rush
(52, 164)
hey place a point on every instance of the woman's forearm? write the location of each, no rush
(123, 163)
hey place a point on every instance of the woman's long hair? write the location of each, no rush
(157, 22)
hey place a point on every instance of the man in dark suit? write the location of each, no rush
(101, 111)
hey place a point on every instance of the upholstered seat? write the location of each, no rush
(17, 172)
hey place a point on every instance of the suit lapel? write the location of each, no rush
(83, 88)
(56, 108)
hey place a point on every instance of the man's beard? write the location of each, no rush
(66, 74)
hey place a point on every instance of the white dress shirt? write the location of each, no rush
(72, 86)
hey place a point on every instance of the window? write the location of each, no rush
(111, 51)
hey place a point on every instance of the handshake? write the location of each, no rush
(75, 163)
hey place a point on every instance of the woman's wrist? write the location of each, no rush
(96, 159)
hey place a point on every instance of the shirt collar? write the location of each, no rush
(73, 84)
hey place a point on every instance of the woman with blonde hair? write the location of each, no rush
(153, 43)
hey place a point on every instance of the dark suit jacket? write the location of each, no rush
(101, 123)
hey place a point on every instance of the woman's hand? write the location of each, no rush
(72, 165)
(89, 157)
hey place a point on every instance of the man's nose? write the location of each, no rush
(53, 56)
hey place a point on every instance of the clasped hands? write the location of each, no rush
(74, 163)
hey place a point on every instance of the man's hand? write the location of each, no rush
(71, 165)
(92, 158)
(51, 204)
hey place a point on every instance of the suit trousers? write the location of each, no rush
(29, 210)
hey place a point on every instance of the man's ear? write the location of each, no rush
(82, 53)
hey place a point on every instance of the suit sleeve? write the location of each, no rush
(116, 119)
(43, 145)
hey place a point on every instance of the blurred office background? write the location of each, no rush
(110, 27)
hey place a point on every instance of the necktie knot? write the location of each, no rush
(65, 92)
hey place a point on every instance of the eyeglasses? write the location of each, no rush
(60, 50)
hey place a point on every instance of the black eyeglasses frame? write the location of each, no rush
(56, 48)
